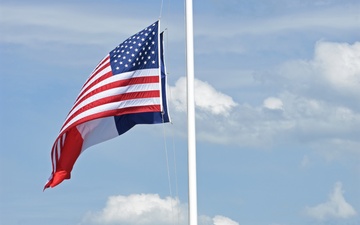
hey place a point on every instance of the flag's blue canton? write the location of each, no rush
(140, 51)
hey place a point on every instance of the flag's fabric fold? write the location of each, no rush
(126, 88)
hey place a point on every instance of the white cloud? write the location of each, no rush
(207, 98)
(216, 220)
(147, 209)
(334, 70)
(221, 220)
(340, 65)
(143, 209)
(273, 103)
(335, 207)
(319, 97)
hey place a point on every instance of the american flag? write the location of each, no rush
(126, 88)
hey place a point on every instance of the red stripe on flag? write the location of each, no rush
(116, 84)
(116, 112)
(94, 82)
(112, 99)
(119, 112)
(101, 62)
(70, 151)
(97, 71)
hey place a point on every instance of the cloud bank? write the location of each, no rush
(313, 101)
(147, 209)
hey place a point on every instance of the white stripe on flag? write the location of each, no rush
(102, 62)
(96, 131)
(114, 92)
(122, 76)
(113, 106)
(97, 76)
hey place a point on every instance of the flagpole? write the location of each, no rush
(191, 112)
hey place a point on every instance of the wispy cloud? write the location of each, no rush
(347, 18)
(75, 24)
(335, 207)
(67, 24)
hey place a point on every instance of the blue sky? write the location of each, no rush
(277, 114)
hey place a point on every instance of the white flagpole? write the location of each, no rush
(191, 113)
